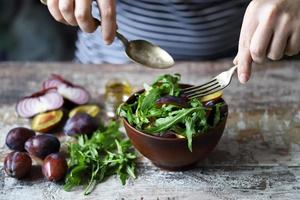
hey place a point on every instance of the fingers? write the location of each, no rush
(244, 56)
(78, 12)
(293, 45)
(54, 10)
(260, 41)
(244, 66)
(73, 12)
(108, 20)
(84, 17)
(279, 40)
(66, 8)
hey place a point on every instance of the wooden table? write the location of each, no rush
(258, 156)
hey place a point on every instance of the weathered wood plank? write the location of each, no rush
(257, 158)
(153, 183)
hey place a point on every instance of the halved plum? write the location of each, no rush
(213, 96)
(92, 110)
(47, 121)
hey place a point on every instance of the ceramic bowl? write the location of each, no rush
(173, 153)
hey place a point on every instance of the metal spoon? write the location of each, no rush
(143, 52)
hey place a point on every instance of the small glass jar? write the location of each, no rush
(117, 91)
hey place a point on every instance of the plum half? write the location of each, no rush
(92, 110)
(47, 121)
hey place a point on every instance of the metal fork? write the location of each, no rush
(216, 84)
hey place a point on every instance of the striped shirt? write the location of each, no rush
(188, 30)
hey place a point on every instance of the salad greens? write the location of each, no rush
(147, 116)
(94, 159)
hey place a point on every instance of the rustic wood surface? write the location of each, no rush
(258, 156)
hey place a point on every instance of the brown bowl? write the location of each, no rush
(173, 153)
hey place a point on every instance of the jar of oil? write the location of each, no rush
(117, 91)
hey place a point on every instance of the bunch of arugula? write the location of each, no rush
(93, 159)
(145, 115)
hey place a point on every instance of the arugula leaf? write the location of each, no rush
(104, 154)
(218, 113)
(162, 124)
(168, 84)
(150, 99)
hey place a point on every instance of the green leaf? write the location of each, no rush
(123, 177)
(163, 124)
(106, 153)
(130, 171)
(150, 99)
(218, 113)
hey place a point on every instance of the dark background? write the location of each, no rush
(28, 32)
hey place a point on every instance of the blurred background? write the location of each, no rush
(28, 32)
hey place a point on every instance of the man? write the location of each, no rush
(189, 29)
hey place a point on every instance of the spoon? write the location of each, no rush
(145, 53)
(142, 51)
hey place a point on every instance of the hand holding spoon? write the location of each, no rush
(142, 51)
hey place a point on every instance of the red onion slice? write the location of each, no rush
(68, 90)
(38, 103)
(55, 81)
(51, 83)
(75, 94)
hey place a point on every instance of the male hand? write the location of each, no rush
(78, 13)
(270, 30)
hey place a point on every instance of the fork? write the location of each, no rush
(216, 84)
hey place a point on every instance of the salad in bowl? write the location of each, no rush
(162, 122)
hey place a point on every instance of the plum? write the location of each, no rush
(42, 145)
(170, 134)
(212, 112)
(180, 101)
(17, 137)
(55, 167)
(81, 123)
(17, 164)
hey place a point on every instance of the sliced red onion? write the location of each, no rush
(42, 101)
(75, 94)
(55, 81)
(68, 90)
